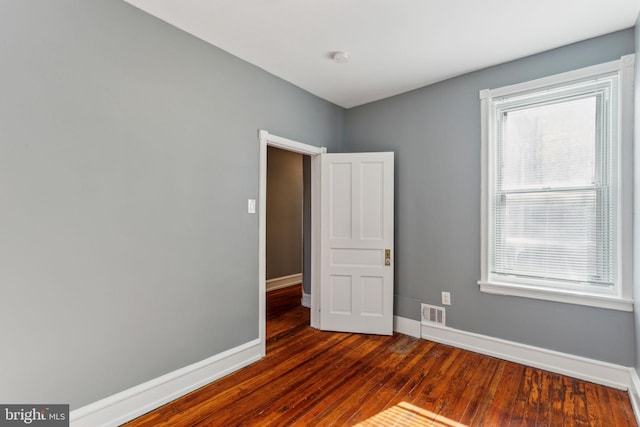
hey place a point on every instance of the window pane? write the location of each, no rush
(551, 145)
(551, 235)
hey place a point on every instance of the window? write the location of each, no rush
(557, 187)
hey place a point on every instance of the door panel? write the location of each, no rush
(372, 196)
(340, 193)
(356, 289)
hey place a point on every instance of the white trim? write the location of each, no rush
(306, 300)
(596, 371)
(406, 326)
(623, 298)
(131, 403)
(316, 167)
(560, 79)
(289, 144)
(626, 171)
(266, 139)
(486, 182)
(565, 296)
(262, 241)
(283, 282)
(634, 392)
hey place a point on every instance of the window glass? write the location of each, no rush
(551, 145)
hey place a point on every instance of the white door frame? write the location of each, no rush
(266, 139)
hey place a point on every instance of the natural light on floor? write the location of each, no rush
(405, 414)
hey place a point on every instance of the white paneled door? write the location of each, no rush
(356, 243)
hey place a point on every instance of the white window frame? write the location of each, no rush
(621, 297)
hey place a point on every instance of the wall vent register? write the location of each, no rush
(433, 315)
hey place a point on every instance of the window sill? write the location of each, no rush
(601, 301)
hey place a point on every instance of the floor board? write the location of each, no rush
(315, 378)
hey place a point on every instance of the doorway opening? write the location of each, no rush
(288, 238)
(311, 236)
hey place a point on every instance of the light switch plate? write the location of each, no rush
(446, 298)
(251, 206)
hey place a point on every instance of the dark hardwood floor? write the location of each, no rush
(314, 378)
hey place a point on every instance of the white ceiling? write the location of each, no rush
(394, 45)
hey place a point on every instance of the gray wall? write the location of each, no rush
(128, 152)
(284, 213)
(435, 132)
(636, 219)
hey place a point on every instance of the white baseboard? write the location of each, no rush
(596, 371)
(283, 282)
(306, 300)
(634, 392)
(131, 403)
(407, 326)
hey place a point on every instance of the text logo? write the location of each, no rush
(34, 415)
